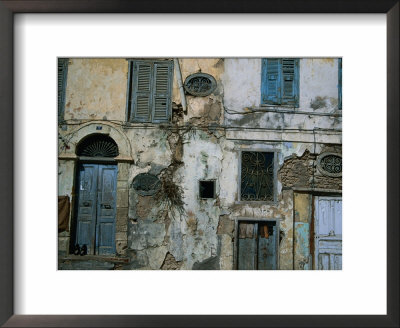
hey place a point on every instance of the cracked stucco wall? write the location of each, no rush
(203, 236)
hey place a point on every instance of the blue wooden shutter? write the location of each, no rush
(270, 83)
(62, 82)
(162, 91)
(142, 90)
(290, 81)
(340, 83)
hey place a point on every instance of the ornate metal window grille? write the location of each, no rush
(98, 145)
(200, 84)
(331, 163)
(257, 176)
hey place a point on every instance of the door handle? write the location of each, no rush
(106, 206)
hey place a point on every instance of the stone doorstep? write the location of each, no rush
(99, 258)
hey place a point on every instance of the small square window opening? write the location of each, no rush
(207, 189)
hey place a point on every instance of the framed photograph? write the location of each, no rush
(196, 157)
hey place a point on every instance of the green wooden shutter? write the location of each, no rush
(142, 90)
(270, 83)
(290, 81)
(62, 82)
(162, 91)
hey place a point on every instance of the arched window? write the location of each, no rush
(97, 145)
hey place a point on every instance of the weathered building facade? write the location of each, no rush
(200, 163)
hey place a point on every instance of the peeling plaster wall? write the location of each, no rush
(319, 84)
(318, 94)
(203, 235)
(96, 89)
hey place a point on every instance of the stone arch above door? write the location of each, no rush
(87, 129)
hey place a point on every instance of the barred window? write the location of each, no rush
(257, 176)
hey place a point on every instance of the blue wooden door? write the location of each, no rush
(267, 246)
(87, 200)
(106, 209)
(96, 208)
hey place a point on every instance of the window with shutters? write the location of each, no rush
(340, 83)
(280, 81)
(62, 83)
(149, 91)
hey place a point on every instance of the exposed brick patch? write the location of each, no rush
(170, 263)
(302, 172)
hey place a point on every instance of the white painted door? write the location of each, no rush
(328, 233)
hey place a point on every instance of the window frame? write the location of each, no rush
(131, 94)
(280, 98)
(275, 178)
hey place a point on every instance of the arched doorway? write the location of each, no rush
(96, 186)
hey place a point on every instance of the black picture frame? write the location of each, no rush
(7, 10)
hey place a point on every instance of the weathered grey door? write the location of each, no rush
(247, 246)
(328, 233)
(97, 184)
(257, 245)
(267, 246)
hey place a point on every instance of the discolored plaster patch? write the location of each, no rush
(144, 206)
(225, 225)
(211, 263)
(302, 207)
(191, 221)
(319, 102)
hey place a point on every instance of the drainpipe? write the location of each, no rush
(180, 84)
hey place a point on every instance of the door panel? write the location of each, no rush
(97, 208)
(86, 219)
(267, 243)
(247, 246)
(106, 209)
(328, 233)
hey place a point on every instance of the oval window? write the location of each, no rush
(330, 164)
(146, 184)
(200, 84)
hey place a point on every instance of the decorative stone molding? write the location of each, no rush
(87, 129)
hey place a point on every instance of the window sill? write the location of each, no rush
(295, 110)
(100, 258)
(256, 202)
